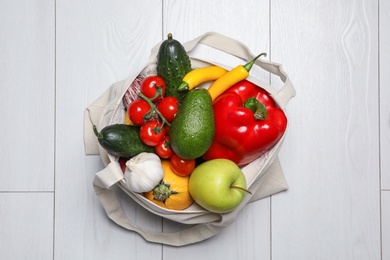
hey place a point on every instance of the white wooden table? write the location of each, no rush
(59, 56)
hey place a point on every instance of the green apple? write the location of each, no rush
(218, 185)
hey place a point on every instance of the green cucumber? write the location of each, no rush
(173, 64)
(122, 140)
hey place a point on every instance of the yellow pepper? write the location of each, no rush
(230, 78)
(200, 75)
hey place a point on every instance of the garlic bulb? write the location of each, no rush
(143, 172)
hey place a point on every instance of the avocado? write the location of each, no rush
(193, 129)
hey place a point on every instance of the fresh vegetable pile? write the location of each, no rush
(181, 143)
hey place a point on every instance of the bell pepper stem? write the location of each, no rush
(259, 110)
(249, 65)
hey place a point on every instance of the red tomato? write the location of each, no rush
(163, 148)
(153, 87)
(181, 166)
(168, 107)
(152, 132)
(137, 111)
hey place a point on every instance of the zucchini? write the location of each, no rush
(173, 64)
(122, 140)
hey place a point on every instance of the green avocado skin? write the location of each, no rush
(193, 129)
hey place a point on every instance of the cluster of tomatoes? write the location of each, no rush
(153, 113)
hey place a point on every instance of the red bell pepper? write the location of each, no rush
(247, 124)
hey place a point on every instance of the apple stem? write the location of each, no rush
(241, 188)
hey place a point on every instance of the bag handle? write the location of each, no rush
(240, 50)
(113, 174)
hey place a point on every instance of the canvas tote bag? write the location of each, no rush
(264, 176)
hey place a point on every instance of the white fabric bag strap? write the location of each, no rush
(92, 116)
(99, 109)
(112, 174)
(240, 50)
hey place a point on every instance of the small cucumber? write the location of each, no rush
(173, 64)
(122, 140)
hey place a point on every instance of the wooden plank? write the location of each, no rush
(26, 225)
(249, 236)
(247, 23)
(98, 43)
(385, 224)
(384, 77)
(330, 157)
(384, 65)
(27, 92)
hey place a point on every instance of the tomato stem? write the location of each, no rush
(158, 129)
(159, 91)
(154, 108)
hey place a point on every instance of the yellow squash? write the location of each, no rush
(172, 192)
